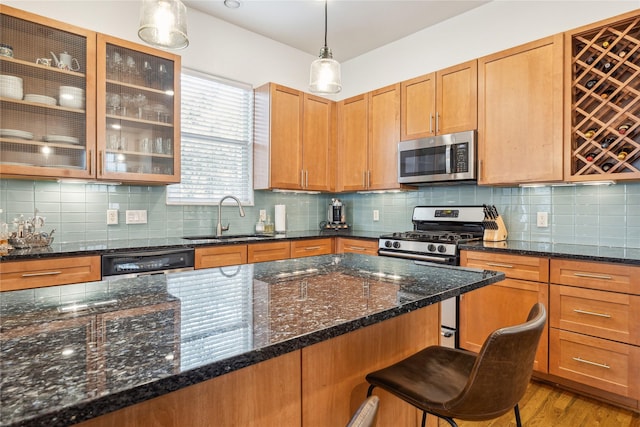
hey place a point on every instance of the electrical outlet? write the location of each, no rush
(542, 219)
(112, 216)
(263, 215)
(376, 215)
(136, 217)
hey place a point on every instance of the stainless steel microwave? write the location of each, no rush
(442, 158)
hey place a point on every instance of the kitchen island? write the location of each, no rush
(142, 351)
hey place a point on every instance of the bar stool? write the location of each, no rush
(454, 383)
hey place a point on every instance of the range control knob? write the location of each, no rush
(396, 245)
(387, 244)
(442, 249)
(431, 247)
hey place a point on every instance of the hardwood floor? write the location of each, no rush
(547, 406)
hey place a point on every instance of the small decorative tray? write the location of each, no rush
(32, 240)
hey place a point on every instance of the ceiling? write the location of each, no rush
(354, 26)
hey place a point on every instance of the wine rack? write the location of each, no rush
(605, 101)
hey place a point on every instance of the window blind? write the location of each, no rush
(216, 141)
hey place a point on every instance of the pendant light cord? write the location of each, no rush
(325, 23)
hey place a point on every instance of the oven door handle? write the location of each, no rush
(412, 256)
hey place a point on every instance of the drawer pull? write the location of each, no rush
(588, 362)
(577, 310)
(593, 276)
(495, 264)
(45, 273)
(312, 248)
(356, 248)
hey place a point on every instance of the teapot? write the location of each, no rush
(66, 62)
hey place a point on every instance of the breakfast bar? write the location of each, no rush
(278, 342)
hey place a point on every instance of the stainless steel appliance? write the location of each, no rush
(147, 262)
(442, 158)
(336, 215)
(437, 232)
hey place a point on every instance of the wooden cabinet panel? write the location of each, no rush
(267, 394)
(609, 315)
(311, 247)
(418, 107)
(357, 246)
(507, 303)
(596, 275)
(603, 364)
(384, 135)
(353, 135)
(268, 251)
(220, 256)
(520, 123)
(333, 372)
(513, 266)
(15, 275)
(318, 136)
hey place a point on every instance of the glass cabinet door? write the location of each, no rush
(138, 113)
(47, 97)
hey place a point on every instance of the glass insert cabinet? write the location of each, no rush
(79, 104)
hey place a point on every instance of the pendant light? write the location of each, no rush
(163, 23)
(325, 71)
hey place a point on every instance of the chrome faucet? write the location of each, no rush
(219, 227)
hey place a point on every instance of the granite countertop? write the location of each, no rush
(70, 353)
(98, 247)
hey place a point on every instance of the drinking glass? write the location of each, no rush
(162, 75)
(140, 101)
(147, 70)
(126, 100)
(113, 103)
(131, 69)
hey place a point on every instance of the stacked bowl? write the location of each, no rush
(10, 87)
(71, 97)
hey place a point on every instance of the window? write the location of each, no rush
(216, 150)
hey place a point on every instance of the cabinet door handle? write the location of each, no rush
(312, 248)
(302, 178)
(44, 273)
(364, 179)
(437, 122)
(100, 162)
(496, 264)
(593, 276)
(306, 179)
(430, 123)
(368, 179)
(589, 362)
(591, 313)
(356, 248)
(90, 157)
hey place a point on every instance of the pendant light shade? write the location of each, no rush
(163, 23)
(325, 71)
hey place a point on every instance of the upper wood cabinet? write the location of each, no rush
(520, 104)
(77, 104)
(294, 140)
(439, 103)
(602, 87)
(368, 136)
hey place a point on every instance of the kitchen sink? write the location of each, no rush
(230, 237)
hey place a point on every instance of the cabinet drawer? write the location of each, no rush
(303, 248)
(607, 315)
(607, 365)
(356, 246)
(268, 251)
(513, 266)
(596, 275)
(16, 275)
(220, 256)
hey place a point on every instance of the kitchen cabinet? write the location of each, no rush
(294, 140)
(16, 275)
(311, 247)
(440, 103)
(356, 246)
(368, 136)
(505, 303)
(602, 136)
(220, 256)
(108, 111)
(520, 106)
(594, 338)
(138, 113)
(268, 251)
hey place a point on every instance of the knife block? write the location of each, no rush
(495, 230)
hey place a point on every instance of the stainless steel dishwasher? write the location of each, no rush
(137, 263)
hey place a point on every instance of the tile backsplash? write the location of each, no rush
(592, 215)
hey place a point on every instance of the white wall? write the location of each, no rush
(228, 51)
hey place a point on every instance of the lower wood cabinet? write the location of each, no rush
(311, 247)
(16, 275)
(504, 303)
(268, 251)
(356, 246)
(220, 256)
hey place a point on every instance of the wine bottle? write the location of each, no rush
(605, 94)
(623, 153)
(607, 166)
(622, 129)
(591, 83)
(606, 142)
(591, 132)
(590, 157)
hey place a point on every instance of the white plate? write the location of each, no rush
(13, 133)
(40, 99)
(61, 138)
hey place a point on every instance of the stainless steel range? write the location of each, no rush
(437, 232)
